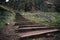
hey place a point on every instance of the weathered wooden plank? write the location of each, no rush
(36, 32)
(28, 28)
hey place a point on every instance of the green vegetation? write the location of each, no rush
(6, 17)
(57, 23)
(46, 18)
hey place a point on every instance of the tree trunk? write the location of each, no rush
(33, 6)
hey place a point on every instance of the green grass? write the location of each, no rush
(46, 18)
(8, 16)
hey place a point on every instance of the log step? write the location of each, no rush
(26, 23)
(36, 32)
(30, 28)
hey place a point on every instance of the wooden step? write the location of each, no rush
(23, 22)
(30, 25)
(26, 29)
(26, 23)
(30, 28)
(36, 32)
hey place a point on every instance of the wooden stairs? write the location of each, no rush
(26, 28)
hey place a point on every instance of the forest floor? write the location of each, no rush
(22, 21)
